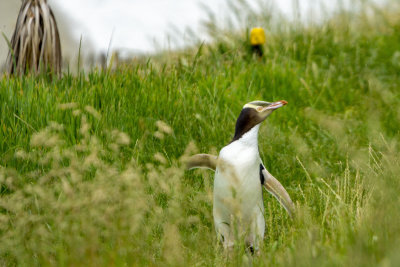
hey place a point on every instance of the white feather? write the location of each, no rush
(238, 190)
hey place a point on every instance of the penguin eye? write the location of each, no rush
(259, 109)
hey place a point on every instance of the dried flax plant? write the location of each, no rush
(35, 44)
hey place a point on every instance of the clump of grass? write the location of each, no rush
(35, 45)
(84, 201)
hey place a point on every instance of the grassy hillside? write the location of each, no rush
(90, 166)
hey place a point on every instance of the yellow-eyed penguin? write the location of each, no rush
(238, 208)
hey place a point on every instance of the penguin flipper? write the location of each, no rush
(273, 186)
(202, 161)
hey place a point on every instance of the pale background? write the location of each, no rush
(140, 26)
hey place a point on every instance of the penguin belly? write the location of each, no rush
(238, 204)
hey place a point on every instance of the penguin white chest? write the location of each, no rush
(238, 175)
(237, 185)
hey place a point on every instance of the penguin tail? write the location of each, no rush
(202, 161)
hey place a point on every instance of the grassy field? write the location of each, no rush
(91, 166)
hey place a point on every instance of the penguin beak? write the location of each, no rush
(276, 105)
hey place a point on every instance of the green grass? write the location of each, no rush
(74, 191)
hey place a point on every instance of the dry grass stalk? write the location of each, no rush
(35, 44)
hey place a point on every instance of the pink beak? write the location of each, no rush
(276, 105)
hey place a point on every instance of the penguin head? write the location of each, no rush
(261, 109)
(254, 113)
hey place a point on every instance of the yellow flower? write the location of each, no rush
(257, 36)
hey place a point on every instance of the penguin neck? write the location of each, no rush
(250, 138)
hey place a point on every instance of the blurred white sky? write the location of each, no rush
(133, 24)
(136, 24)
